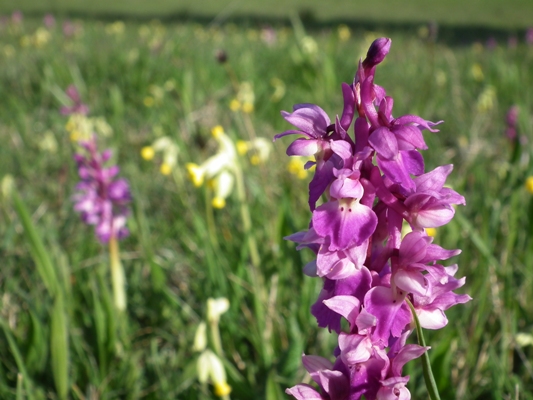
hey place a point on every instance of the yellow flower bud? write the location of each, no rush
(217, 131)
(248, 108)
(242, 147)
(147, 152)
(148, 101)
(165, 169)
(218, 202)
(196, 175)
(235, 105)
(529, 184)
(222, 389)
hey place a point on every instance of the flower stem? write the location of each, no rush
(117, 275)
(431, 385)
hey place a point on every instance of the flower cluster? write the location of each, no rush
(372, 183)
(101, 199)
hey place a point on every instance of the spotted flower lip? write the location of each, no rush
(101, 198)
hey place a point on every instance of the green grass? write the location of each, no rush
(513, 14)
(57, 312)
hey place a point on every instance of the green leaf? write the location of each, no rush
(59, 347)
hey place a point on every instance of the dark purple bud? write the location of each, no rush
(221, 56)
(377, 52)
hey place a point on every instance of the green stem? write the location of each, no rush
(431, 385)
(117, 275)
(215, 337)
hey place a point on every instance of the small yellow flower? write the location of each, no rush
(344, 33)
(255, 159)
(222, 389)
(235, 105)
(296, 167)
(529, 184)
(477, 72)
(75, 136)
(247, 108)
(148, 153)
(195, 174)
(218, 202)
(148, 101)
(217, 131)
(242, 147)
(165, 169)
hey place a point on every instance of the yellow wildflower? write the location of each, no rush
(148, 153)
(165, 169)
(529, 184)
(477, 72)
(235, 105)
(344, 33)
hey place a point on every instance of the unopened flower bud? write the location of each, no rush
(377, 52)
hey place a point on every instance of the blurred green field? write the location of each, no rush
(147, 81)
(512, 14)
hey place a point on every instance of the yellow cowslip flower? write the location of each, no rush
(165, 169)
(486, 99)
(248, 108)
(218, 169)
(218, 202)
(296, 166)
(279, 90)
(217, 131)
(343, 32)
(259, 148)
(242, 147)
(149, 101)
(169, 85)
(223, 185)
(41, 37)
(196, 174)
(148, 153)
(246, 97)
(210, 368)
(477, 72)
(529, 184)
(215, 308)
(200, 338)
(235, 105)
(116, 28)
(222, 389)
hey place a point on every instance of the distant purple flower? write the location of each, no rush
(17, 17)
(101, 198)
(529, 36)
(49, 21)
(69, 28)
(371, 185)
(77, 106)
(492, 43)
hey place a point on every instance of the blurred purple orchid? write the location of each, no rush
(101, 198)
(372, 184)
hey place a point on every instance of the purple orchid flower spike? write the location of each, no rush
(372, 184)
(101, 199)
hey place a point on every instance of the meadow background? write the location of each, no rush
(147, 78)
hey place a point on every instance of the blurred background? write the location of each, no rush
(160, 83)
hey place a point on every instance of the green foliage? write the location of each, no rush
(61, 336)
